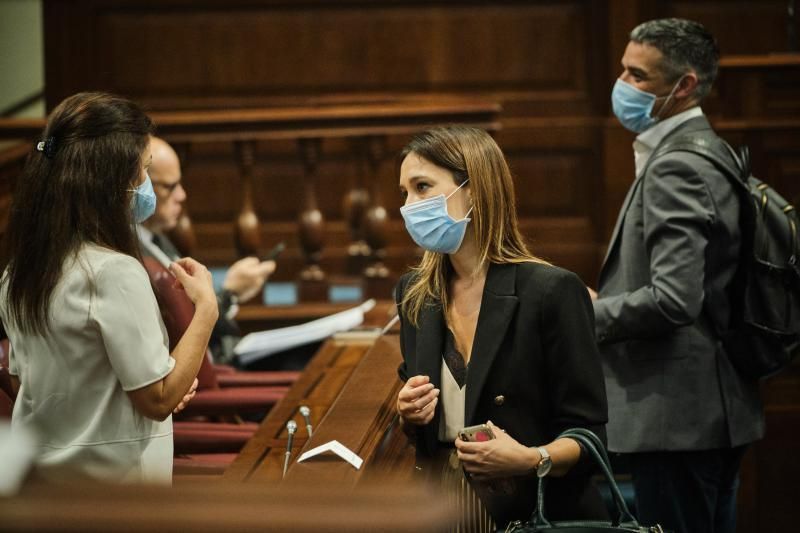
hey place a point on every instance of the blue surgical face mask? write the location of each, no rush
(143, 201)
(431, 227)
(633, 107)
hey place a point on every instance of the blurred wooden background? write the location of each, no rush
(549, 65)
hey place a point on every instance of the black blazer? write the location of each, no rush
(535, 371)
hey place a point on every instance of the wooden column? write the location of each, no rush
(247, 230)
(312, 282)
(354, 207)
(378, 282)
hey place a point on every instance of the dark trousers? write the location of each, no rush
(687, 492)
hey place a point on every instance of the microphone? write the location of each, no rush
(291, 427)
(306, 412)
(390, 324)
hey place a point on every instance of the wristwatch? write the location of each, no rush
(545, 463)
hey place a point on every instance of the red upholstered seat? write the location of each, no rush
(6, 390)
(208, 447)
(211, 437)
(211, 399)
(6, 403)
(228, 376)
(202, 464)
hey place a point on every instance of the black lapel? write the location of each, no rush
(430, 337)
(429, 346)
(498, 304)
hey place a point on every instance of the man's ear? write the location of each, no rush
(687, 85)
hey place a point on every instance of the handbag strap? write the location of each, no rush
(595, 448)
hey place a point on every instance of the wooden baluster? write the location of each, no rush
(247, 229)
(378, 283)
(182, 235)
(354, 206)
(311, 226)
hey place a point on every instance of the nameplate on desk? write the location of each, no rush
(336, 447)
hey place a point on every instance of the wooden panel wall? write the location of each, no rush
(551, 65)
(544, 61)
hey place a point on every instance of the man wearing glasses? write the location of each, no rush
(244, 278)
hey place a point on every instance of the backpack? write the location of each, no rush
(764, 330)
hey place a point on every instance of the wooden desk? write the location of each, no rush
(350, 386)
(221, 508)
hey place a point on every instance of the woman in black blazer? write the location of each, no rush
(491, 334)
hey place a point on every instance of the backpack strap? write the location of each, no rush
(710, 150)
(737, 173)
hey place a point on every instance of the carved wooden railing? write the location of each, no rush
(367, 126)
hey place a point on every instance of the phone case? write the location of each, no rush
(479, 433)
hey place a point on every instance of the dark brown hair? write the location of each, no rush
(76, 191)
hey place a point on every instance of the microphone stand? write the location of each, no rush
(291, 427)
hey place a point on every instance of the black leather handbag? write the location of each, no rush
(625, 522)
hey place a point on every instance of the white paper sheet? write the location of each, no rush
(264, 343)
(339, 449)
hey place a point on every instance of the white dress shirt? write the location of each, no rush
(647, 141)
(105, 338)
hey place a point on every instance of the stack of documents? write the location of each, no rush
(256, 346)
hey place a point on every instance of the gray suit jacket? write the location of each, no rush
(672, 255)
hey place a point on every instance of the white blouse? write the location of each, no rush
(106, 337)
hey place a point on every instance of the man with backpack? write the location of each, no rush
(678, 409)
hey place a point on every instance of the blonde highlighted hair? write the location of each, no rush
(469, 154)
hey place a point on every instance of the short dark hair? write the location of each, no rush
(686, 45)
(76, 190)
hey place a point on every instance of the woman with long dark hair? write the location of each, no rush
(89, 352)
(491, 335)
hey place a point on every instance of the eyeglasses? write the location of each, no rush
(170, 188)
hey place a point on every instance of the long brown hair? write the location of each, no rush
(75, 190)
(468, 153)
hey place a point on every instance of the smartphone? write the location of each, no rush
(479, 433)
(273, 254)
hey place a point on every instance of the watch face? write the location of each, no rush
(545, 464)
(544, 467)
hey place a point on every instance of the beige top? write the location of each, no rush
(453, 399)
(106, 338)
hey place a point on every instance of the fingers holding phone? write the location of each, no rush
(417, 400)
(489, 452)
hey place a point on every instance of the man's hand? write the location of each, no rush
(247, 276)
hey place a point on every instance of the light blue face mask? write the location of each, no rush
(143, 201)
(431, 227)
(633, 107)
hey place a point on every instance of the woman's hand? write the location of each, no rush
(186, 398)
(499, 457)
(416, 401)
(195, 279)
